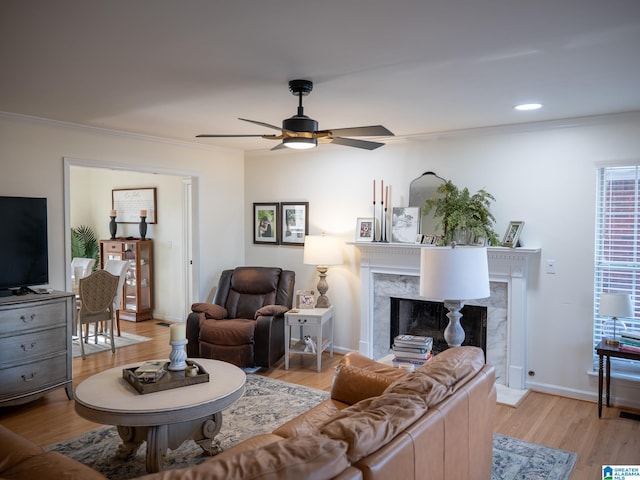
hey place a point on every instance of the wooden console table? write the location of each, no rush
(609, 351)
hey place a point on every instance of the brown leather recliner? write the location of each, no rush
(245, 323)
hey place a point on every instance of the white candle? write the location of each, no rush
(178, 332)
(112, 213)
(143, 213)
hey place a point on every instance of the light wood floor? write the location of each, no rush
(546, 419)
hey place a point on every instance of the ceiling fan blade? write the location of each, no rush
(371, 131)
(352, 142)
(260, 123)
(206, 135)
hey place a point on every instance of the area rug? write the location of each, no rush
(267, 404)
(124, 340)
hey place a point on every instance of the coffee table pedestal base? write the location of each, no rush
(161, 437)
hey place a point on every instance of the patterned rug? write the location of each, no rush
(267, 404)
(124, 340)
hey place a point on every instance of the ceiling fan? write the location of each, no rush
(302, 132)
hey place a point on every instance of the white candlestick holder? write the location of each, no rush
(178, 355)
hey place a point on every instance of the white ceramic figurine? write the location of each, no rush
(309, 344)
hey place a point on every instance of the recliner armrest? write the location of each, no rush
(210, 310)
(271, 311)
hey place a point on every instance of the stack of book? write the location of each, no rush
(151, 371)
(630, 342)
(411, 349)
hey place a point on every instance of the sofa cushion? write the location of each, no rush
(351, 384)
(442, 376)
(372, 423)
(308, 422)
(210, 310)
(271, 310)
(235, 331)
(307, 457)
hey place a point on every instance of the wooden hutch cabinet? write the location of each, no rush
(137, 295)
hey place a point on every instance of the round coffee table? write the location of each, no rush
(163, 419)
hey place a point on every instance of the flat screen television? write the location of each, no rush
(24, 253)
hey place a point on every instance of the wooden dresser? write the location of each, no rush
(35, 346)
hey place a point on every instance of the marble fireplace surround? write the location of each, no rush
(391, 269)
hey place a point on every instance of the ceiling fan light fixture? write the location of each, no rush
(300, 143)
(523, 107)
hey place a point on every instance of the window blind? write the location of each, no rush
(617, 249)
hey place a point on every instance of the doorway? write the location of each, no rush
(88, 188)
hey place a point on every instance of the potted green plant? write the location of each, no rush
(84, 243)
(464, 218)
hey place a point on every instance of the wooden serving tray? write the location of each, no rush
(168, 381)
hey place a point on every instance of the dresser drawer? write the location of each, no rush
(23, 379)
(29, 346)
(29, 316)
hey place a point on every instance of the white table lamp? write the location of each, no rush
(615, 305)
(453, 275)
(322, 251)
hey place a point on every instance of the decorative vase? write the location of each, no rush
(143, 228)
(113, 228)
(461, 236)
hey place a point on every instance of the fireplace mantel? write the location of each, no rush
(507, 265)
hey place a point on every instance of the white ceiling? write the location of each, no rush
(175, 69)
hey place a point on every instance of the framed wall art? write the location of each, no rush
(512, 234)
(295, 222)
(405, 224)
(266, 223)
(129, 202)
(365, 229)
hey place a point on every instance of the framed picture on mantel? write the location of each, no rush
(512, 234)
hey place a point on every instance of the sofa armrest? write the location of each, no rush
(358, 377)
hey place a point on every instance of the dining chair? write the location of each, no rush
(81, 267)
(97, 293)
(118, 268)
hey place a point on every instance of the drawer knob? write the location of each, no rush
(26, 378)
(302, 320)
(30, 347)
(31, 318)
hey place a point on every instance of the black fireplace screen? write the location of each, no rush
(419, 317)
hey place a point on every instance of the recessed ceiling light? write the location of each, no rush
(528, 106)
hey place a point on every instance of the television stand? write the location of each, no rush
(35, 346)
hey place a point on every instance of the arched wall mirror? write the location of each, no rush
(420, 189)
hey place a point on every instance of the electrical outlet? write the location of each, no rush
(551, 266)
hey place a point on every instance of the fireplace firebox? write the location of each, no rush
(420, 317)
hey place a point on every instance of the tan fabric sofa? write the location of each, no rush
(379, 423)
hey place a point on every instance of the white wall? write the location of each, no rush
(31, 161)
(543, 174)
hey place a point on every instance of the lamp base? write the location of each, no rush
(454, 333)
(611, 342)
(323, 300)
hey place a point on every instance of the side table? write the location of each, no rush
(314, 319)
(609, 351)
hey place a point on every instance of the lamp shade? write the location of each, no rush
(322, 250)
(460, 273)
(615, 305)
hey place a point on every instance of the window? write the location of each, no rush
(617, 249)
